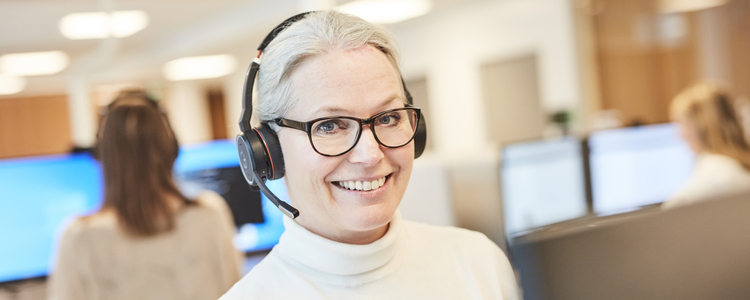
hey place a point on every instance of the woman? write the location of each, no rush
(148, 241)
(710, 123)
(349, 242)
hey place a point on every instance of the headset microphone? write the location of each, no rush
(254, 179)
(258, 148)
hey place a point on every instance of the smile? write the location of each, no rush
(362, 185)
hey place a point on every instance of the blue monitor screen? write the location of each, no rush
(543, 182)
(633, 167)
(38, 194)
(215, 166)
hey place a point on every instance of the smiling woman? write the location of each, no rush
(331, 90)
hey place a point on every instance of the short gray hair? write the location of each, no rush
(317, 33)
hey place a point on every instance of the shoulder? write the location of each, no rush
(265, 281)
(457, 244)
(73, 230)
(85, 225)
(212, 200)
(711, 162)
(466, 253)
(714, 176)
(216, 205)
(209, 204)
(449, 236)
(77, 231)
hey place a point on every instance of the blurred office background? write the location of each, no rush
(489, 75)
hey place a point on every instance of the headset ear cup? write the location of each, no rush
(246, 157)
(420, 137)
(273, 148)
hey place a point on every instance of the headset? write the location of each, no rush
(258, 148)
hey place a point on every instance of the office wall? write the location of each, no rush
(448, 48)
(34, 126)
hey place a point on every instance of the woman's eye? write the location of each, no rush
(389, 119)
(331, 126)
(328, 126)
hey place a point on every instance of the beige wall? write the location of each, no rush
(34, 126)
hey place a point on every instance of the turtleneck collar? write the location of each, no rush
(325, 257)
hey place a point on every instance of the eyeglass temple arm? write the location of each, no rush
(291, 124)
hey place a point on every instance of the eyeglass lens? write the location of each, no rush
(335, 136)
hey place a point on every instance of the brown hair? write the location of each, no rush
(710, 111)
(137, 150)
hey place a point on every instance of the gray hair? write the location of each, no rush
(317, 33)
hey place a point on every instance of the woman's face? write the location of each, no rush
(687, 132)
(357, 83)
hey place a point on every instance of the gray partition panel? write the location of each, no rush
(695, 252)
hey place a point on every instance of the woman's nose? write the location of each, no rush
(367, 151)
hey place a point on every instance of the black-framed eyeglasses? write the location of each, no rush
(334, 136)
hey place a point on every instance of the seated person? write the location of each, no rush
(709, 122)
(147, 241)
(330, 89)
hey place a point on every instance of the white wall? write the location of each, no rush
(448, 47)
(188, 112)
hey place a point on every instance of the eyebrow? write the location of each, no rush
(327, 111)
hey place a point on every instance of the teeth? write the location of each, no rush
(362, 185)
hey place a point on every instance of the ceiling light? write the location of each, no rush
(199, 67)
(99, 25)
(127, 23)
(386, 11)
(33, 63)
(683, 6)
(11, 84)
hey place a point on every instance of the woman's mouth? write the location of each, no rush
(356, 185)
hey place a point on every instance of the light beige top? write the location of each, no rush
(715, 176)
(97, 260)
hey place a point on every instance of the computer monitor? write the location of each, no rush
(215, 166)
(543, 182)
(634, 167)
(37, 195)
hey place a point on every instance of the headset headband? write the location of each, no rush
(247, 99)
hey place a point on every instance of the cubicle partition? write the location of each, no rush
(692, 252)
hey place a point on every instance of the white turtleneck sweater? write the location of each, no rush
(411, 261)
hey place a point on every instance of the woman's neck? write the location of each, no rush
(348, 237)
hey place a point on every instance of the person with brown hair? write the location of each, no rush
(147, 241)
(711, 125)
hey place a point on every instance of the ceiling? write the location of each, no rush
(176, 28)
